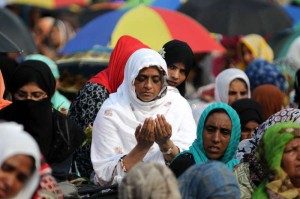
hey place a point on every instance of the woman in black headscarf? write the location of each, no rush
(32, 86)
(180, 59)
(251, 115)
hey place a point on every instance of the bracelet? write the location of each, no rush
(122, 163)
(169, 151)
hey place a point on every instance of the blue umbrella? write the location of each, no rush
(294, 12)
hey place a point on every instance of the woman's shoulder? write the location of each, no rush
(181, 163)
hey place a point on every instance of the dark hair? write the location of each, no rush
(217, 110)
(242, 80)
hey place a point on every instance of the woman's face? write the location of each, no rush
(247, 55)
(248, 129)
(291, 160)
(148, 83)
(30, 91)
(14, 173)
(55, 36)
(176, 74)
(237, 90)
(216, 135)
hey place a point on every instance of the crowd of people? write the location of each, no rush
(133, 124)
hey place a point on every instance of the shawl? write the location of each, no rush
(212, 179)
(262, 72)
(223, 81)
(149, 180)
(270, 152)
(270, 98)
(197, 149)
(115, 124)
(3, 102)
(258, 46)
(176, 51)
(248, 110)
(247, 148)
(14, 140)
(113, 75)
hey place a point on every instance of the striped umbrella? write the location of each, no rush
(151, 25)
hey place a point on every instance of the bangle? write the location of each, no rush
(122, 163)
(169, 151)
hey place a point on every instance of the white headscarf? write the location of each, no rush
(14, 141)
(223, 81)
(115, 124)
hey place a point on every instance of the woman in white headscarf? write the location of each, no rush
(145, 120)
(232, 84)
(20, 162)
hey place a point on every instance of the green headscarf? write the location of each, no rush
(197, 148)
(270, 152)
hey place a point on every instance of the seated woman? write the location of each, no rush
(180, 59)
(20, 162)
(212, 179)
(250, 173)
(87, 103)
(32, 86)
(218, 135)
(232, 84)
(279, 152)
(251, 116)
(143, 121)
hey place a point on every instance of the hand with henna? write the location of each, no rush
(144, 134)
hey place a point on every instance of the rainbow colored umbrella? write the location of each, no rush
(151, 25)
(50, 4)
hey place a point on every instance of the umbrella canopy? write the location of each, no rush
(238, 17)
(50, 4)
(6, 45)
(153, 26)
(12, 26)
(294, 12)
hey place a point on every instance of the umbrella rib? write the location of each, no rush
(20, 51)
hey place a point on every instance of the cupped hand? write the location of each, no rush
(144, 134)
(163, 130)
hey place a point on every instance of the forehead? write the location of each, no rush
(218, 118)
(32, 86)
(295, 141)
(153, 70)
(237, 83)
(179, 65)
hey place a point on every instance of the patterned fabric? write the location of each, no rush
(48, 188)
(197, 148)
(262, 72)
(286, 115)
(84, 110)
(270, 152)
(246, 186)
(86, 104)
(247, 148)
(212, 179)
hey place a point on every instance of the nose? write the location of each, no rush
(174, 74)
(216, 137)
(148, 84)
(9, 180)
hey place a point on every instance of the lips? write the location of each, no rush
(2, 192)
(171, 83)
(214, 149)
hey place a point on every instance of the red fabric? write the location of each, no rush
(112, 77)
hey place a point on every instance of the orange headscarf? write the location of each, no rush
(3, 103)
(112, 77)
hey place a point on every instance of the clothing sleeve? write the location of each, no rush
(245, 185)
(106, 150)
(182, 163)
(186, 133)
(86, 104)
